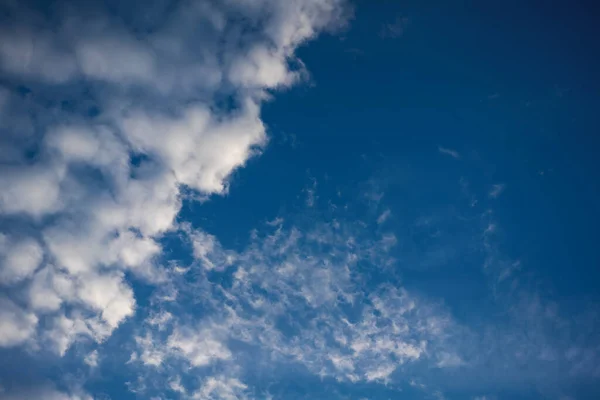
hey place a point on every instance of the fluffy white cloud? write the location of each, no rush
(150, 353)
(16, 325)
(48, 289)
(200, 347)
(92, 359)
(449, 360)
(101, 189)
(198, 148)
(18, 259)
(34, 190)
(109, 295)
(46, 393)
(221, 388)
(65, 330)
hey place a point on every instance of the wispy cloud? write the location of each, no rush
(496, 190)
(384, 216)
(289, 300)
(45, 391)
(275, 222)
(450, 152)
(395, 29)
(311, 193)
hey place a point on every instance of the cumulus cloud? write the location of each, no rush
(125, 117)
(199, 347)
(19, 259)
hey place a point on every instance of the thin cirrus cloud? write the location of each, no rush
(291, 303)
(305, 295)
(449, 152)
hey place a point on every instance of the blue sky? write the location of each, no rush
(313, 199)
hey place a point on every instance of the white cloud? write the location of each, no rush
(48, 395)
(384, 216)
(34, 191)
(65, 330)
(89, 199)
(150, 353)
(262, 67)
(176, 385)
(92, 359)
(450, 152)
(449, 360)
(221, 388)
(496, 190)
(109, 295)
(303, 295)
(310, 191)
(200, 348)
(380, 373)
(44, 392)
(199, 149)
(285, 277)
(119, 59)
(101, 191)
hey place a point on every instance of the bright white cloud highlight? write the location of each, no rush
(175, 110)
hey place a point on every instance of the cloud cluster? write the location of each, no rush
(44, 392)
(109, 119)
(294, 296)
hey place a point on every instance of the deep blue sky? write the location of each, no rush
(513, 89)
(432, 184)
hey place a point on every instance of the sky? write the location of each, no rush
(303, 199)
